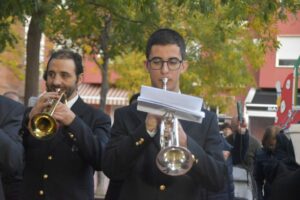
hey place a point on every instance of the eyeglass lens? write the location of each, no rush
(172, 63)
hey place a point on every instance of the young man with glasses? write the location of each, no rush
(131, 152)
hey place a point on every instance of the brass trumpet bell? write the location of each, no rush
(43, 125)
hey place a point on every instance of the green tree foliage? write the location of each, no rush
(226, 39)
(233, 38)
(102, 28)
(13, 57)
(9, 12)
(223, 55)
(133, 73)
(35, 11)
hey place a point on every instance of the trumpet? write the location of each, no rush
(172, 159)
(43, 125)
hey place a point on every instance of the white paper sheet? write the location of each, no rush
(158, 101)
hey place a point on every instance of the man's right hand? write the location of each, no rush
(152, 121)
(46, 100)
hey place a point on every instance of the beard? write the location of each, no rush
(69, 91)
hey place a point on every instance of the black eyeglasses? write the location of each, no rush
(157, 63)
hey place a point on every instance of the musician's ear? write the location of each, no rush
(146, 65)
(185, 66)
(79, 78)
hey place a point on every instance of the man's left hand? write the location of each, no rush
(63, 114)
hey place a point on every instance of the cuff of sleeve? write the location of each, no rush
(141, 136)
(74, 128)
(75, 125)
(151, 133)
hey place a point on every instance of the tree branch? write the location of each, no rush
(114, 13)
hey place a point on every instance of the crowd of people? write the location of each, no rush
(61, 166)
(272, 168)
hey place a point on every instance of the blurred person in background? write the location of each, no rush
(11, 149)
(286, 178)
(244, 144)
(243, 154)
(12, 95)
(227, 193)
(226, 130)
(265, 162)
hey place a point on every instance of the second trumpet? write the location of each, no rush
(172, 159)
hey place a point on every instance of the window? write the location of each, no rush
(288, 52)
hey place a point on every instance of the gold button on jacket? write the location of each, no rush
(162, 187)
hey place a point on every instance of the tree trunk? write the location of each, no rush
(104, 47)
(32, 59)
(104, 85)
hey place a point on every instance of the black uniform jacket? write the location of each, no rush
(62, 168)
(130, 156)
(11, 149)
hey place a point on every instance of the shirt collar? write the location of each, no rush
(71, 102)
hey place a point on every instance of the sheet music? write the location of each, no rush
(158, 101)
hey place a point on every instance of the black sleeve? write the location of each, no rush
(122, 149)
(240, 147)
(11, 148)
(90, 139)
(259, 175)
(211, 169)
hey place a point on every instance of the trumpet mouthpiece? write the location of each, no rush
(59, 90)
(164, 81)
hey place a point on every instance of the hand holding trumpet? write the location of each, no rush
(152, 122)
(43, 103)
(47, 113)
(63, 114)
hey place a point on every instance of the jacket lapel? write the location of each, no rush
(79, 107)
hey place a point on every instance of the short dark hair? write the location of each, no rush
(66, 54)
(166, 36)
(271, 132)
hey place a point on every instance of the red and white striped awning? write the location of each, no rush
(90, 93)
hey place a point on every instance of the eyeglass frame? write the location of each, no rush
(163, 62)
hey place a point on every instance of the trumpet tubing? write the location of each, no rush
(43, 125)
(172, 159)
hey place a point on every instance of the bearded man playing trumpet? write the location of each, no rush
(63, 141)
